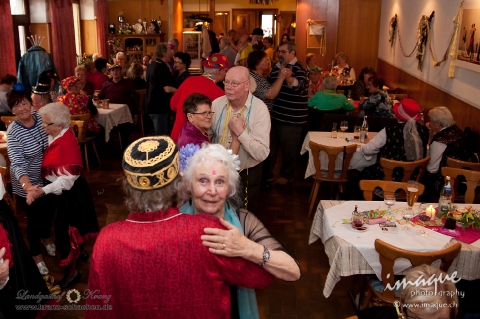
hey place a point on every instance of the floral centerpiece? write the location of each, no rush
(329, 73)
(81, 60)
(125, 29)
(115, 45)
(466, 216)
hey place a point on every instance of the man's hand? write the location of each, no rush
(236, 125)
(169, 89)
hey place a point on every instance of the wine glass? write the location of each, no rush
(343, 126)
(389, 200)
(422, 218)
(407, 215)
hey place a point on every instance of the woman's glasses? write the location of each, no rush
(204, 114)
(47, 124)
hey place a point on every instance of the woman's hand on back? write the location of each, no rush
(230, 242)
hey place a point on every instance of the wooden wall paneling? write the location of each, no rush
(88, 29)
(244, 21)
(326, 10)
(429, 96)
(42, 30)
(358, 29)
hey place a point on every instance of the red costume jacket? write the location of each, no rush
(193, 84)
(153, 265)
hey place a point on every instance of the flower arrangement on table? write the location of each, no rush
(115, 45)
(467, 216)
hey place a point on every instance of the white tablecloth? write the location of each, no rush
(325, 138)
(346, 259)
(115, 115)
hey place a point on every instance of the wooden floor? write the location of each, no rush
(283, 211)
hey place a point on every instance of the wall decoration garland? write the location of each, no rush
(391, 31)
(424, 38)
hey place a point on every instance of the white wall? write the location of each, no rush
(39, 11)
(87, 9)
(465, 86)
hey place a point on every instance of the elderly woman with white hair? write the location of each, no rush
(67, 191)
(447, 140)
(213, 184)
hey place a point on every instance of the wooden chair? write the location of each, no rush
(408, 168)
(398, 97)
(77, 123)
(139, 100)
(388, 253)
(388, 187)
(6, 197)
(451, 162)
(472, 181)
(332, 153)
(7, 120)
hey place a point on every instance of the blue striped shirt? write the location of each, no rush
(25, 146)
(290, 105)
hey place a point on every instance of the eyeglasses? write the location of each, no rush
(282, 51)
(204, 114)
(47, 124)
(233, 84)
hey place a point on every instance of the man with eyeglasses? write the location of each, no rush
(214, 70)
(289, 111)
(241, 116)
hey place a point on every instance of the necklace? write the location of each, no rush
(153, 221)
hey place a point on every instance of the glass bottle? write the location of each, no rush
(422, 119)
(334, 130)
(445, 199)
(365, 126)
(357, 218)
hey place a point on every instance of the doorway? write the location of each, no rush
(21, 26)
(245, 20)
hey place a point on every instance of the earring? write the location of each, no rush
(190, 201)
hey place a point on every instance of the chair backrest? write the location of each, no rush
(79, 129)
(472, 181)
(7, 120)
(388, 187)
(408, 168)
(388, 253)
(398, 97)
(332, 153)
(451, 162)
(6, 196)
(139, 99)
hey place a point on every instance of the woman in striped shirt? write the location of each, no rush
(26, 141)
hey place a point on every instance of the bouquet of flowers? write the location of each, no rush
(81, 60)
(467, 216)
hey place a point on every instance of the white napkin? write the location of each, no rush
(365, 241)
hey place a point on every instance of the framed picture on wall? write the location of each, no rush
(468, 54)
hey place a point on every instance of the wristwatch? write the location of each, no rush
(24, 184)
(266, 255)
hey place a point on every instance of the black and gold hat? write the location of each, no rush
(151, 162)
(43, 85)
